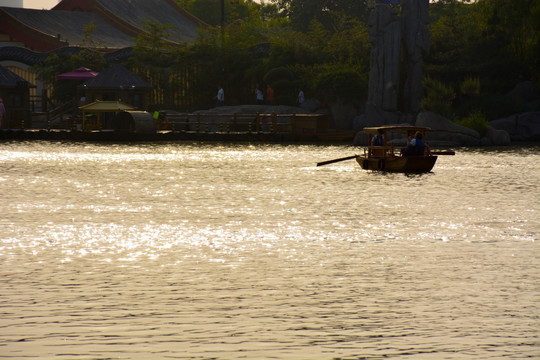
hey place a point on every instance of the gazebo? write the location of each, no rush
(118, 83)
(81, 73)
(98, 108)
(77, 77)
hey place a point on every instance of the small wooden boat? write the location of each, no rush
(384, 157)
(381, 155)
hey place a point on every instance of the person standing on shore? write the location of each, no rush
(269, 95)
(300, 99)
(259, 95)
(2, 112)
(220, 96)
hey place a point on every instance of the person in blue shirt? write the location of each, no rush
(378, 140)
(416, 147)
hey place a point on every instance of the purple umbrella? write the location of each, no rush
(78, 74)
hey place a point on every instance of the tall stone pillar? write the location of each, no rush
(385, 38)
(416, 43)
(394, 97)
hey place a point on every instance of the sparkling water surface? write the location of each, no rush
(249, 251)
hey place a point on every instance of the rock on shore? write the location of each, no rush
(520, 127)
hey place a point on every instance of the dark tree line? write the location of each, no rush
(481, 50)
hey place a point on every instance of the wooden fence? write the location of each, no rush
(301, 125)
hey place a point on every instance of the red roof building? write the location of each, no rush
(29, 36)
(116, 24)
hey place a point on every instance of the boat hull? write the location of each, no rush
(406, 164)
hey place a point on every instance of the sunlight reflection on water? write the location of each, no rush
(227, 251)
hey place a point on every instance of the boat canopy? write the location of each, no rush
(408, 128)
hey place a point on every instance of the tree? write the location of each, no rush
(152, 46)
(302, 12)
(490, 40)
(209, 11)
(509, 30)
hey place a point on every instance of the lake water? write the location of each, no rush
(249, 251)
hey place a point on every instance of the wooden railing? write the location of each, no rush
(302, 126)
(299, 124)
(57, 113)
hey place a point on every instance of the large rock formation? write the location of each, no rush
(524, 126)
(521, 127)
(526, 94)
(446, 132)
(416, 43)
(396, 43)
(385, 39)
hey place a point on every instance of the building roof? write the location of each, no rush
(106, 106)
(132, 15)
(117, 23)
(81, 73)
(137, 12)
(10, 79)
(30, 57)
(116, 77)
(69, 26)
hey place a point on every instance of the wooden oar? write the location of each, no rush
(448, 152)
(336, 160)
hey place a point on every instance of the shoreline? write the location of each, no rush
(167, 135)
(170, 135)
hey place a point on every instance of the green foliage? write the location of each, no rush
(480, 50)
(344, 83)
(284, 91)
(301, 13)
(470, 86)
(476, 121)
(209, 11)
(88, 36)
(349, 43)
(276, 74)
(281, 79)
(152, 48)
(226, 54)
(438, 97)
(495, 42)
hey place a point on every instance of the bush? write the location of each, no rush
(284, 92)
(438, 97)
(470, 86)
(339, 82)
(279, 73)
(281, 80)
(476, 121)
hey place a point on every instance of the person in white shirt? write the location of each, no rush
(300, 100)
(220, 96)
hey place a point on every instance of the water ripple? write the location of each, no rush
(186, 250)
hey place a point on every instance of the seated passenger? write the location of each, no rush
(378, 140)
(416, 146)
